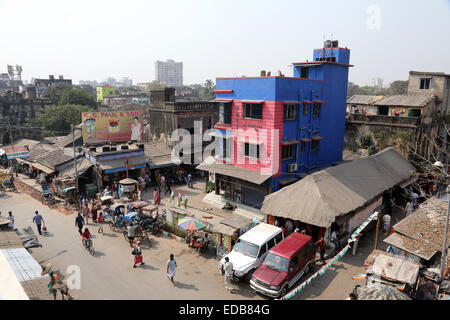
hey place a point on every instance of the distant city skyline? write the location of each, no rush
(220, 38)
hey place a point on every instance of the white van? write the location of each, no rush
(250, 250)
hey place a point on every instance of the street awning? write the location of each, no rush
(82, 167)
(288, 180)
(228, 170)
(118, 165)
(291, 102)
(253, 101)
(42, 168)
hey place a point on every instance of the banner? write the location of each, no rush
(14, 153)
(116, 126)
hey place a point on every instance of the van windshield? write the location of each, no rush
(276, 262)
(247, 248)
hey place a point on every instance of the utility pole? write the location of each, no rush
(75, 159)
(377, 230)
(12, 141)
(444, 246)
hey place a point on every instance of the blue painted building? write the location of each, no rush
(304, 116)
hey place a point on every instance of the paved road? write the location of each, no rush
(110, 275)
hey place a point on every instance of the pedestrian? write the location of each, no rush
(131, 229)
(228, 267)
(139, 195)
(85, 211)
(100, 223)
(137, 252)
(321, 245)
(38, 220)
(335, 241)
(168, 187)
(189, 180)
(120, 192)
(163, 184)
(408, 208)
(94, 211)
(386, 223)
(11, 218)
(156, 196)
(171, 265)
(79, 222)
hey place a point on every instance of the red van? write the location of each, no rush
(284, 265)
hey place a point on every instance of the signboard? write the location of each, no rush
(115, 126)
(14, 153)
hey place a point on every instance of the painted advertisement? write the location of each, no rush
(115, 126)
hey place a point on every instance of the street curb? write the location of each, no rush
(172, 236)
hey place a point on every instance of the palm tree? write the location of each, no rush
(209, 84)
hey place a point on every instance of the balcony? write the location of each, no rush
(383, 120)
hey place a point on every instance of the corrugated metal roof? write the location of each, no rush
(407, 100)
(321, 197)
(364, 99)
(82, 167)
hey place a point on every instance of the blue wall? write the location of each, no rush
(331, 123)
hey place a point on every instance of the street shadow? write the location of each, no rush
(99, 254)
(148, 267)
(47, 234)
(150, 244)
(111, 235)
(185, 286)
(5, 195)
(58, 254)
(243, 289)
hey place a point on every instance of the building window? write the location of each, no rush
(304, 71)
(288, 152)
(315, 146)
(425, 83)
(251, 150)
(253, 111)
(316, 110)
(305, 109)
(224, 151)
(225, 112)
(289, 112)
(303, 147)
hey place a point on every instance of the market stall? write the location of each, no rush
(128, 186)
(228, 231)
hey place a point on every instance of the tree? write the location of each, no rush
(398, 87)
(57, 119)
(55, 93)
(209, 84)
(77, 97)
(155, 85)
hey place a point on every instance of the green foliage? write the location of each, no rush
(174, 230)
(55, 93)
(77, 97)
(209, 187)
(56, 120)
(372, 150)
(366, 141)
(403, 136)
(398, 87)
(155, 85)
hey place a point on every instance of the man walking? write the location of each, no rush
(11, 218)
(386, 223)
(38, 220)
(189, 180)
(228, 267)
(171, 265)
(79, 222)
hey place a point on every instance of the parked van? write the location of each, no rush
(284, 265)
(250, 250)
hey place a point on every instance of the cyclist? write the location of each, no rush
(86, 236)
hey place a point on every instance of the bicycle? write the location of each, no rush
(88, 245)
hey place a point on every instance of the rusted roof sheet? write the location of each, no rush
(407, 100)
(364, 99)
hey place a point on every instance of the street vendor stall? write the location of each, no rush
(128, 187)
(228, 231)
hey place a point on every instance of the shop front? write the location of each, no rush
(228, 231)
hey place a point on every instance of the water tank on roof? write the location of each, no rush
(327, 44)
(335, 43)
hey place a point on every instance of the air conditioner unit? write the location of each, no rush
(292, 167)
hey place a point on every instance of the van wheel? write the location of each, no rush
(308, 268)
(249, 275)
(283, 291)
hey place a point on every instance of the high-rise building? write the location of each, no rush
(169, 72)
(377, 82)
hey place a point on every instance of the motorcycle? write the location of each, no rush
(10, 185)
(199, 244)
(149, 224)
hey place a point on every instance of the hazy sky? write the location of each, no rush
(91, 40)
